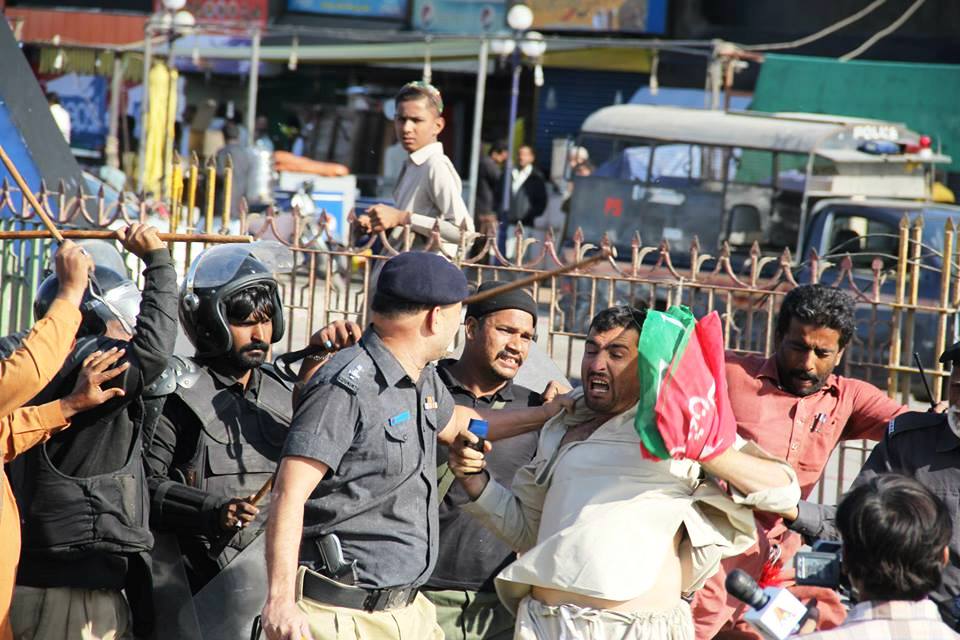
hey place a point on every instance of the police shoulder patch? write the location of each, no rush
(914, 421)
(350, 375)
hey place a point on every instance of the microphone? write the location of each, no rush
(775, 613)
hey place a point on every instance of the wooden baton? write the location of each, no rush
(537, 277)
(28, 194)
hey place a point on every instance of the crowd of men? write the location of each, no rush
(391, 515)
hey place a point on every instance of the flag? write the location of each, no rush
(691, 413)
(663, 335)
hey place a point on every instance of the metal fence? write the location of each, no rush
(905, 302)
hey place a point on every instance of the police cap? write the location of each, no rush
(422, 278)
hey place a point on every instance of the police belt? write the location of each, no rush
(320, 588)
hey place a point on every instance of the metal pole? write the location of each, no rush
(252, 86)
(475, 146)
(147, 61)
(514, 97)
(116, 86)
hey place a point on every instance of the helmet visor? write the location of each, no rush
(122, 303)
(219, 265)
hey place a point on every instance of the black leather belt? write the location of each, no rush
(319, 588)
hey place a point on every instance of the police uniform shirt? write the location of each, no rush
(923, 446)
(471, 555)
(376, 429)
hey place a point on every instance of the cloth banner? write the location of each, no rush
(85, 98)
(684, 410)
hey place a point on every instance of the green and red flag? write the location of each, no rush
(684, 410)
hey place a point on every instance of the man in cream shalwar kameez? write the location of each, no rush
(609, 541)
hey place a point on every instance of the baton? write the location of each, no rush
(284, 362)
(101, 234)
(923, 378)
(537, 277)
(28, 194)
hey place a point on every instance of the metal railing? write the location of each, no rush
(899, 311)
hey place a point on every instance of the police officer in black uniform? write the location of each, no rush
(356, 491)
(227, 414)
(83, 494)
(925, 446)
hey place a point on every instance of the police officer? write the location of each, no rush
(925, 446)
(353, 534)
(83, 494)
(225, 420)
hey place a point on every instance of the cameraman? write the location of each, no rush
(895, 534)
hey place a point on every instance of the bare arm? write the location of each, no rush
(296, 480)
(747, 473)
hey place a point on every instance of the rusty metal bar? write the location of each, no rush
(102, 234)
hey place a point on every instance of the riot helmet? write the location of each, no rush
(111, 294)
(214, 276)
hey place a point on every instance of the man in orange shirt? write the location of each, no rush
(797, 409)
(22, 376)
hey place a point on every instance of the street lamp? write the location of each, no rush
(523, 44)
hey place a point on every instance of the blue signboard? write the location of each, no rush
(396, 9)
(459, 16)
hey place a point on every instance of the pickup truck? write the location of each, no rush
(856, 244)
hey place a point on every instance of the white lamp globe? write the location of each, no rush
(174, 5)
(502, 47)
(184, 20)
(520, 17)
(533, 45)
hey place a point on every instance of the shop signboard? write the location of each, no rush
(625, 16)
(391, 9)
(466, 17)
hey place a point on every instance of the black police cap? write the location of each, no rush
(422, 278)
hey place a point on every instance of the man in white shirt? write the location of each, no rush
(60, 115)
(428, 188)
(609, 540)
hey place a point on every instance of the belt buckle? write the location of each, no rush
(383, 599)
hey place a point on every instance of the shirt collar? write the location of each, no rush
(387, 363)
(424, 153)
(894, 610)
(769, 370)
(228, 381)
(505, 393)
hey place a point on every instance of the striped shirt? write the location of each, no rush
(890, 620)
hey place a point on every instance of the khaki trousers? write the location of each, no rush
(471, 615)
(538, 621)
(416, 621)
(63, 613)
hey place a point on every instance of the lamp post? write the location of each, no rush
(523, 44)
(172, 21)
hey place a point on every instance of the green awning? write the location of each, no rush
(923, 96)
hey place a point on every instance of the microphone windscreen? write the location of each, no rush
(744, 588)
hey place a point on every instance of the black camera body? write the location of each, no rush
(821, 567)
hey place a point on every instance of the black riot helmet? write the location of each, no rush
(111, 295)
(220, 272)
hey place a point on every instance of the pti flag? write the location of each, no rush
(684, 411)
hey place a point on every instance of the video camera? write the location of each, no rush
(821, 567)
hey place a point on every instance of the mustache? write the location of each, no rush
(800, 374)
(256, 345)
